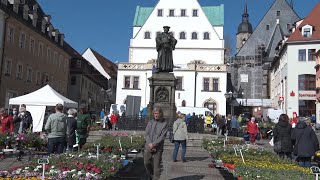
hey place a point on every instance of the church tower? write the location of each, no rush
(244, 29)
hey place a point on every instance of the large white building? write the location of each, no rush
(198, 57)
(293, 77)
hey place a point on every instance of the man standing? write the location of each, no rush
(57, 128)
(155, 134)
(165, 45)
(102, 117)
(83, 121)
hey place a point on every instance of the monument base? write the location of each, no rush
(162, 95)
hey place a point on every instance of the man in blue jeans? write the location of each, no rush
(180, 137)
(56, 126)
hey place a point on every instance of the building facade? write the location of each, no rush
(198, 56)
(108, 70)
(86, 84)
(292, 75)
(33, 52)
(317, 67)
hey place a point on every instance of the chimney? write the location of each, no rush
(50, 28)
(16, 6)
(43, 25)
(25, 12)
(56, 35)
(48, 18)
(61, 39)
(35, 18)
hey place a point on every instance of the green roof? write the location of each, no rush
(215, 15)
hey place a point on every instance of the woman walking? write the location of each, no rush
(71, 129)
(180, 137)
(282, 137)
(252, 129)
(306, 143)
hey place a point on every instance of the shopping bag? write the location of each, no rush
(271, 142)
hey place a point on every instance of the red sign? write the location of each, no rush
(307, 95)
(281, 98)
(292, 94)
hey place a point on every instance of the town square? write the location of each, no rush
(160, 89)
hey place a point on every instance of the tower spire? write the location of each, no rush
(245, 8)
(245, 15)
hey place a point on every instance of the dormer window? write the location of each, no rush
(171, 12)
(307, 31)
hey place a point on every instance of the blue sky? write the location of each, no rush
(106, 25)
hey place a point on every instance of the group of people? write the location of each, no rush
(16, 121)
(301, 141)
(109, 121)
(64, 131)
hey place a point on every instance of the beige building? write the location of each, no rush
(33, 51)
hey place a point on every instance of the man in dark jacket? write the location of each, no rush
(282, 135)
(306, 143)
(22, 122)
(71, 128)
(83, 122)
(155, 134)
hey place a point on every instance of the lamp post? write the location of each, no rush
(230, 96)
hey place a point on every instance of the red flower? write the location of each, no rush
(97, 170)
(46, 167)
(59, 164)
(112, 169)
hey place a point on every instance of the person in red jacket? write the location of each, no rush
(252, 129)
(5, 121)
(114, 120)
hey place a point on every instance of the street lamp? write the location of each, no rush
(230, 96)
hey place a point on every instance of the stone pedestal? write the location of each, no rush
(162, 94)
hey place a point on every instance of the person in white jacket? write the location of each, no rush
(180, 137)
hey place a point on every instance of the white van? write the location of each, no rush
(197, 110)
(119, 108)
(273, 114)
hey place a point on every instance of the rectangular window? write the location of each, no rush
(183, 12)
(160, 12)
(206, 82)
(55, 58)
(171, 12)
(19, 71)
(302, 55)
(38, 78)
(22, 40)
(48, 54)
(7, 68)
(278, 13)
(307, 82)
(127, 82)
(29, 74)
(135, 82)
(11, 34)
(195, 13)
(215, 85)
(32, 45)
(306, 32)
(311, 55)
(307, 107)
(179, 83)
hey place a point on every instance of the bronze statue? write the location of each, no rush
(165, 45)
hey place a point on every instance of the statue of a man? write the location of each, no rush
(165, 45)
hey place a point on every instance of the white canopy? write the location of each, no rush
(45, 96)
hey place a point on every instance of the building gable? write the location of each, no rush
(177, 22)
(267, 33)
(313, 21)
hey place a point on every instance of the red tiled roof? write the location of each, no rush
(313, 19)
(107, 65)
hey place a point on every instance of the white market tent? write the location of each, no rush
(37, 102)
(45, 96)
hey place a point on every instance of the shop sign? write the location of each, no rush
(306, 95)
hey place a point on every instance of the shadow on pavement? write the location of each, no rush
(193, 177)
(197, 158)
(226, 175)
(134, 170)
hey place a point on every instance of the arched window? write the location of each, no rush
(211, 105)
(147, 35)
(182, 35)
(183, 104)
(307, 82)
(206, 35)
(194, 35)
